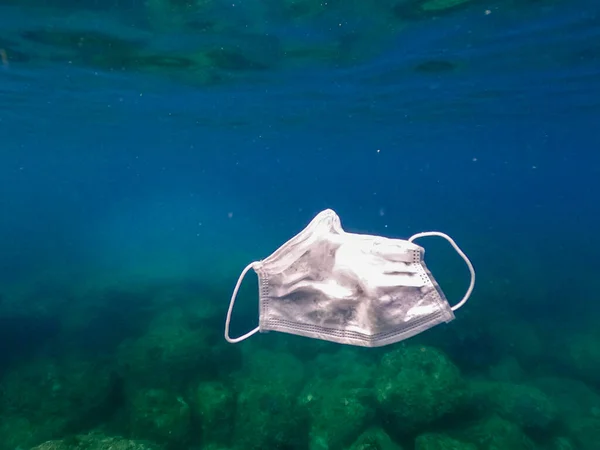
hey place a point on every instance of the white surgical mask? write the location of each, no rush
(349, 288)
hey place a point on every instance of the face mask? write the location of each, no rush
(356, 289)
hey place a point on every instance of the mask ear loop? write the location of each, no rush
(462, 255)
(231, 303)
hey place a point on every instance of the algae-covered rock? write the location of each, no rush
(214, 404)
(418, 385)
(339, 422)
(18, 432)
(94, 441)
(524, 405)
(55, 395)
(438, 441)
(160, 416)
(218, 447)
(495, 433)
(560, 443)
(573, 398)
(171, 354)
(375, 438)
(267, 414)
(583, 355)
(586, 432)
(339, 399)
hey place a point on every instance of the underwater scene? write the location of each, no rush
(299, 225)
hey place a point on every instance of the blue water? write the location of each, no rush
(480, 122)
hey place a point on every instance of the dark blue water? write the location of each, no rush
(157, 144)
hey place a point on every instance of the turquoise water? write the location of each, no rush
(150, 150)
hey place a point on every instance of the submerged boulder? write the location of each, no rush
(417, 385)
(524, 405)
(496, 433)
(58, 395)
(160, 416)
(439, 441)
(171, 354)
(267, 414)
(339, 399)
(583, 355)
(375, 438)
(96, 441)
(214, 406)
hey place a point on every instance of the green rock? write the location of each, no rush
(495, 433)
(418, 385)
(160, 416)
(375, 438)
(215, 404)
(524, 405)
(96, 441)
(438, 441)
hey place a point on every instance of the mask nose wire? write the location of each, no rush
(462, 255)
(230, 310)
